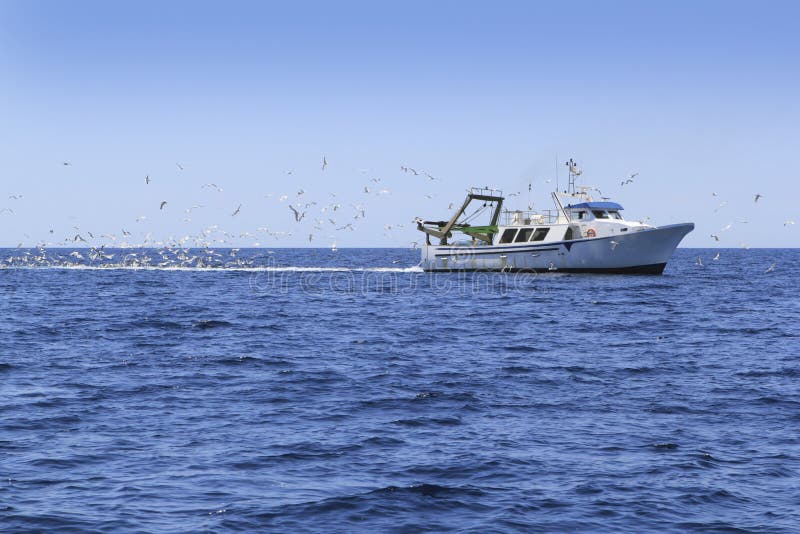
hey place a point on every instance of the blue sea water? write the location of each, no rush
(323, 391)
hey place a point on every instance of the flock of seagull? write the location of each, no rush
(327, 219)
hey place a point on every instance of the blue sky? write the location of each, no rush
(697, 97)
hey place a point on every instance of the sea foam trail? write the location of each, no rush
(116, 267)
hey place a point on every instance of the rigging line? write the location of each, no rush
(473, 215)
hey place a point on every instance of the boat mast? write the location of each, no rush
(574, 171)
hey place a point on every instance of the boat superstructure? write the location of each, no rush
(579, 235)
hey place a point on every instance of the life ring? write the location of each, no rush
(591, 233)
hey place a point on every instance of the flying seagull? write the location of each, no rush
(147, 179)
(235, 213)
(770, 269)
(179, 166)
(758, 195)
(324, 162)
(163, 203)
(297, 215)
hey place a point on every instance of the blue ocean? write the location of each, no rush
(310, 390)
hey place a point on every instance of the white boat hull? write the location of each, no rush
(646, 252)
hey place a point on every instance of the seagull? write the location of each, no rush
(236, 212)
(727, 227)
(699, 261)
(716, 237)
(787, 223)
(347, 226)
(414, 245)
(163, 203)
(297, 215)
(614, 244)
(628, 181)
(66, 163)
(770, 268)
(179, 166)
(758, 195)
(147, 179)
(78, 238)
(310, 237)
(15, 197)
(9, 210)
(721, 205)
(215, 186)
(366, 189)
(324, 163)
(334, 248)
(125, 233)
(429, 176)
(715, 258)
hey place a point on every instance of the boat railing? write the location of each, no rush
(527, 218)
(486, 191)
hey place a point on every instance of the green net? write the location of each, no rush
(477, 229)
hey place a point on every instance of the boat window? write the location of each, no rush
(508, 235)
(615, 215)
(581, 214)
(600, 214)
(540, 234)
(523, 235)
(568, 235)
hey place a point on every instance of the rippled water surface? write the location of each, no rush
(321, 391)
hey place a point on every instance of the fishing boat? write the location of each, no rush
(579, 235)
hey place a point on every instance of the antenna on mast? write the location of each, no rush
(556, 171)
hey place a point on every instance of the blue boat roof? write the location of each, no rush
(596, 206)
